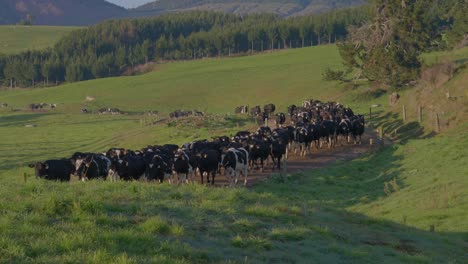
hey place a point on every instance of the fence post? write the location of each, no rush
(266, 122)
(370, 114)
(419, 114)
(437, 123)
(404, 113)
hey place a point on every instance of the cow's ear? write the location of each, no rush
(32, 165)
(46, 166)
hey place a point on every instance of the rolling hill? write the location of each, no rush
(59, 12)
(88, 12)
(280, 7)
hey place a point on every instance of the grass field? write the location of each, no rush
(14, 39)
(379, 208)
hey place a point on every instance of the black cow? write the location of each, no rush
(158, 168)
(258, 149)
(278, 149)
(58, 170)
(358, 124)
(269, 109)
(264, 131)
(128, 168)
(280, 119)
(328, 132)
(292, 110)
(235, 162)
(208, 161)
(313, 134)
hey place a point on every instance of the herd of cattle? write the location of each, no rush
(40, 106)
(313, 124)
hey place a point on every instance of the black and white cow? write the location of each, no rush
(301, 140)
(235, 162)
(58, 170)
(77, 159)
(182, 165)
(344, 129)
(93, 167)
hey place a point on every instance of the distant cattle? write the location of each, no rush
(84, 111)
(269, 109)
(58, 170)
(236, 162)
(3, 105)
(112, 111)
(255, 111)
(244, 109)
(180, 113)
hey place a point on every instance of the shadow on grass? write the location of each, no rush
(16, 119)
(397, 130)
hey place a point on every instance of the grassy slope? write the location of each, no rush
(339, 214)
(15, 39)
(214, 85)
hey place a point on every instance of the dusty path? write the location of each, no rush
(318, 158)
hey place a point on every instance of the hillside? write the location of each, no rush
(339, 214)
(280, 7)
(59, 12)
(21, 38)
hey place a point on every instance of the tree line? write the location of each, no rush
(109, 48)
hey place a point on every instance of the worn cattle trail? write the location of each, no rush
(316, 159)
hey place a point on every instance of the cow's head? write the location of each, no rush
(40, 169)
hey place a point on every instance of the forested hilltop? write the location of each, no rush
(110, 48)
(279, 7)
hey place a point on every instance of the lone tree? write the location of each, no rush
(386, 49)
